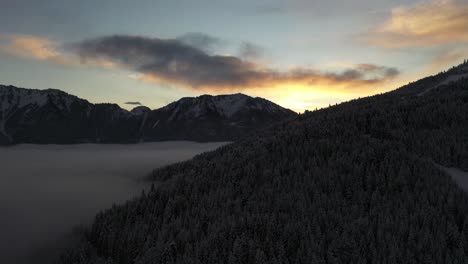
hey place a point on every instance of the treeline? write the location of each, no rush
(354, 183)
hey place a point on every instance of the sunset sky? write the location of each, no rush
(300, 54)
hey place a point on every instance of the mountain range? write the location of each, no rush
(53, 116)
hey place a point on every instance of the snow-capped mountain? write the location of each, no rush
(204, 118)
(53, 116)
(223, 105)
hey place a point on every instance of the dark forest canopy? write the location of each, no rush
(353, 183)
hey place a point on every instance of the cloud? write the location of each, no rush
(133, 103)
(427, 24)
(201, 41)
(32, 47)
(250, 50)
(173, 61)
(448, 58)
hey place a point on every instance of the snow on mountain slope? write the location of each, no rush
(229, 105)
(451, 78)
(12, 97)
(454, 75)
(454, 78)
(223, 105)
(213, 118)
(53, 116)
(50, 115)
(13, 100)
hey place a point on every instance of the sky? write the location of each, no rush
(300, 54)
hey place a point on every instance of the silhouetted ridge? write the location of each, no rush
(355, 183)
(53, 116)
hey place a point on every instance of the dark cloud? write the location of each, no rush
(369, 71)
(175, 61)
(201, 41)
(133, 103)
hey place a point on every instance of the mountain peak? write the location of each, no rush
(53, 116)
(139, 110)
(227, 105)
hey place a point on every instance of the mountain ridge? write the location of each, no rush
(352, 183)
(27, 114)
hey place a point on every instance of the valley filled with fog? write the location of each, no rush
(46, 190)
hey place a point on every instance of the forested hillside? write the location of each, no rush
(353, 183)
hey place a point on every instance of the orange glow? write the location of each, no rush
(298, 95)
(36, 47)
(33, 47)
(296, 88)
(300, 98)
(46, 50)
(422, 25)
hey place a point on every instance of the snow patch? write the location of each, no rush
(230, 105)
(145, 116)
(225, 105)
(450, 79)
(20, 98)
(174, 113)
(155, 123)
(195, 111)
(454, 78)
(458, 175)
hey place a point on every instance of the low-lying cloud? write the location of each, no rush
(133, 103)
(84, 179)
(175, 62)
(427, 24)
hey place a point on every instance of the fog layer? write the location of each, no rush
(46, 190)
